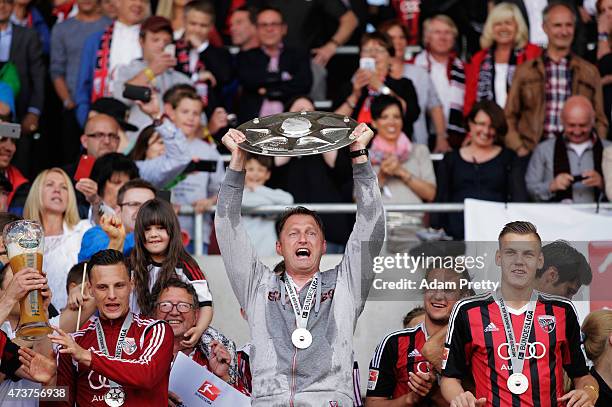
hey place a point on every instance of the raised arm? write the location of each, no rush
(241, 263)
(159, 171)
(366, 239)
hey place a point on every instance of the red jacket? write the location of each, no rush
(144, 373)
(472, 71)
(16, 178)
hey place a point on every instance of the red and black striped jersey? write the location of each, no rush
(397, 354)
(476, 343)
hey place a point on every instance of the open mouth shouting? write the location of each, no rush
(302, 253)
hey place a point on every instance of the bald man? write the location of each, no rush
(101, 136)
(568, 167)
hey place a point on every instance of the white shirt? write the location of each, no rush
(125, 45)
(194, 55)
(439, 77)
(501, 80)
(61, 253)
(534, 13)
(579, 149)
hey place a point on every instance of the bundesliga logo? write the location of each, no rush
(209, 391)
(547, 323)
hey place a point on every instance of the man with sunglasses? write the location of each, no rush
(175, 303)
(118, 358)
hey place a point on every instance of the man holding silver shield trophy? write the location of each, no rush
(301, 318)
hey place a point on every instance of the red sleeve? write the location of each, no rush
(146, 371)
(9, 358)
(66, 376)
(472, 70)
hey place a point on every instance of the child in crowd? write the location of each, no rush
(158, 256)
(199, 188)
(209, 67)
(261, 228)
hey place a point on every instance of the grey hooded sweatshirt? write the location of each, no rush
(320, 375)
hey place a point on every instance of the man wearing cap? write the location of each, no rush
(155, 69)
(105, 50)
(120, 112)
(101, 136)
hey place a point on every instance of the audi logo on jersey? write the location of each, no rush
(534, 350)
(423, 367)
(97, 381)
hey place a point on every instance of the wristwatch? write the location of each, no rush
(385, 90)
(359, 153)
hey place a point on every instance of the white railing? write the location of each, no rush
(321, 208)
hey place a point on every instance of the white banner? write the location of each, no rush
(197, 386)
(484, 220)
(589, 232)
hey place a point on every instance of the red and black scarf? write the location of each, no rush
(101, 69)
(409, 12)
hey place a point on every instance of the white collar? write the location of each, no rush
(202, 47)
(124, 27)
(579, 149)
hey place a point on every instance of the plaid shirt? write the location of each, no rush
(558, 89)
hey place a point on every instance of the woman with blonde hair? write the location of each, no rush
(597, 329)
(52, 203)
(505, 46)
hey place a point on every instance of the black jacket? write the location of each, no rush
(26, 54)
(293, 78)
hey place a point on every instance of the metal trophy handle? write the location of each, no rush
(296, 134)
(24, 242)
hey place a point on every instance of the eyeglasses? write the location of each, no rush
(100, 136)
(131, 204)
(167, 306)
(269, 25)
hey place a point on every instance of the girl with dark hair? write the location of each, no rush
(158, 256)
(482, 169)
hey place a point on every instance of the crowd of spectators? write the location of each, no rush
(486, 85)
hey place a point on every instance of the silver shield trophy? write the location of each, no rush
(299, 133)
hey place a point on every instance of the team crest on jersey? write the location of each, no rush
(547, 323)
(372, 379)
(129, 345)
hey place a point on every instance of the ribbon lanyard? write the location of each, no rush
(517, 357)
(301, 312)
(119, 347)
